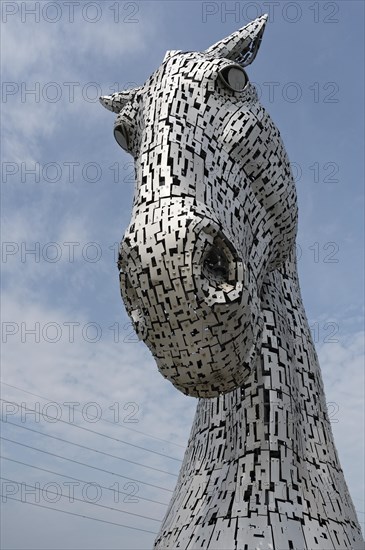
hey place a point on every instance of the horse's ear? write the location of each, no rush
(117, 101)
(170, 53)
(241, 46)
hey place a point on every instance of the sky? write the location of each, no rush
(68, 349)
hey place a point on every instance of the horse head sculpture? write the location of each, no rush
(214, 211)
(209, 278)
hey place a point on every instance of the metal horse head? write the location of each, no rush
(214, 212)
(209, 278)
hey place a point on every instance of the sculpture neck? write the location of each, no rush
(261, 459)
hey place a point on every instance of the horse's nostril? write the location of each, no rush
(216, 264)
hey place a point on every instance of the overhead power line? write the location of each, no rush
(104, 419)
(79, 515)
(87, 465)
(89, 448)
(93, 431)
(80, 480)
(83, 500)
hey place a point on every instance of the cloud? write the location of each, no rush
(45, 84)
(342, 366)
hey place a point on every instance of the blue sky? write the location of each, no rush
(74, 209)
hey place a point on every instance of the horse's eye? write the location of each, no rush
(234, 77)
(216, 263)
(120, 135)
